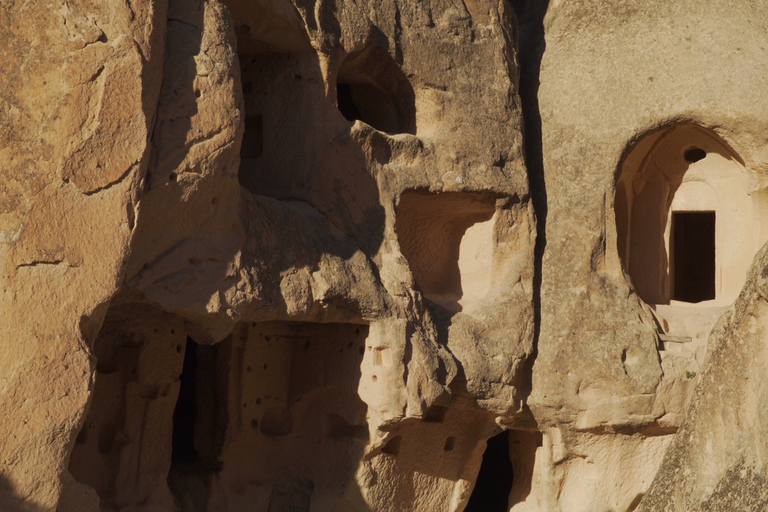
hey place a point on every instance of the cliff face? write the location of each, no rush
(78, 103)
(650, 118)
(295, 255)
(715, 461)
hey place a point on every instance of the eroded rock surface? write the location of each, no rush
(282, 255)
(715, 461)
(306, 242)
(642, 115)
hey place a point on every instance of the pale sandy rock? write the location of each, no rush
(288, 324)
(282, 255)
(716, 460)
(79, 77)
(580, 471)
(625, 92)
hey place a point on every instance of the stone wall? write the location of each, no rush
(384, 255)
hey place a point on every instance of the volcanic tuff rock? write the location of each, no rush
(282, 255)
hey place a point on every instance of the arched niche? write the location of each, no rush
(371, 88)
(688, 223)
(447, 239)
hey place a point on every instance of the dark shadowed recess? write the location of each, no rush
(185, 414)
(198, 423)
(531, 46)
(693, 255)
(295, 145)
(372, 88)
(494, 482)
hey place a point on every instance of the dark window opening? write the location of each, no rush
(693, 256)
(694, 154)
(253, 138)
(198, 428)
(372, 88)
(494, 481)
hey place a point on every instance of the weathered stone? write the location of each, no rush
(282, 255)
(626, 92)
(715, 461)
(139, 210)
(76, 88)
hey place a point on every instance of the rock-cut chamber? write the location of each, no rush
(689, 221)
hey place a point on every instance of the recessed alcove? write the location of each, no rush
(252, 146)
(282, 87)
(127, 443)
(692, 256)
(186, 411)
(448, 240)
(199, 424)
(296, 426)
(495, 479)
(281, 91)
(371, 88)
(689, 219)
(174, 419)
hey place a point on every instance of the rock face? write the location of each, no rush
(647, 109)
(293, 255)
(715, 461)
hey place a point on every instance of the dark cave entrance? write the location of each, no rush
(252, 146)
(693, 256)
(198, 426)
(371, 105)
(494, 481)
(372, 88)
(185, 413)
(346, 103)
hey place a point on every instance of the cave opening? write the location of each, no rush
(494, 481)
(672, 184)
(185, 413)
(693, 256)
(372, 88)
(124, 447)
(447, 239)
(252, 146)
(371, 105)
(198, 426)
(346, 103)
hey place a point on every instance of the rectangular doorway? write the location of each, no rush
(693, 256)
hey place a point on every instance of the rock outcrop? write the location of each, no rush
(279, 247)
(292, 255)
(626, 92)
(715, 461)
